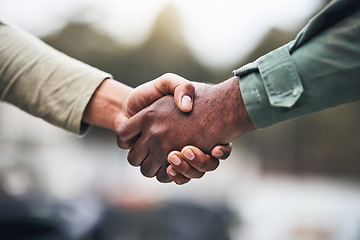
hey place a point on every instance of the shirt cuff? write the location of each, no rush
(270, 87)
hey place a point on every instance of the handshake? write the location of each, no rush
(175, 129)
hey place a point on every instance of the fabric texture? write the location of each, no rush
(320, 69)
(44, 82)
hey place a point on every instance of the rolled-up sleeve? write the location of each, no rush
(318, 70)
(44, 82)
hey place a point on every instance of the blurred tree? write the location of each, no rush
(164, 51)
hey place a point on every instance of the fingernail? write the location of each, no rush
(186, 102)
(172, 172)
(189, 154)
(175, 160)
(219, 153)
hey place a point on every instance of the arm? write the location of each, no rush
(44, 82)
(319, 70)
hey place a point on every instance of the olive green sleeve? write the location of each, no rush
(320, 69)
(44, 82)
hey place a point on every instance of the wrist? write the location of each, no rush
(106, 106)
(242, 119)
(235, 116)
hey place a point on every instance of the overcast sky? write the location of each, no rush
(219, 32)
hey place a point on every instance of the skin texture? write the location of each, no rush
(218, 117)
(113, 103)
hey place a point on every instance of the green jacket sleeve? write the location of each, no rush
(44, 82)
(320, 69)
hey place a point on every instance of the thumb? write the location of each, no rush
(167, 84)
(183, 97)
(182, 89)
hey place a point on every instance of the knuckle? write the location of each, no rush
(120, 130)
(210, 165)
(189, 172)
(200, 164)
(183, 171)
(163, 178)
(189, 87)
(186, 171)
(156, 135)
(167, 75)
(203, 166)
(162, 175)
(182, 181)
(199, 175)
(150, 113)
(147, 172)
(133, 160)
(122, 143)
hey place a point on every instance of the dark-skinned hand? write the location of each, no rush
(218, 116)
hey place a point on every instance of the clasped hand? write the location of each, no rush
(154, 132)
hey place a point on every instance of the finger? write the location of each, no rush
(128, 131)
(182, 89)
(221, 151)
(199, 160)
(148, 169)
(162, 176)
(176, 177)
(182, 167)
(167, 84)
(138, 153)
(152, 163)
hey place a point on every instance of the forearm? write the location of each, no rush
(44, 82)
(107, 105)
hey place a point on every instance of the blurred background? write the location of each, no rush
(297, 180)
